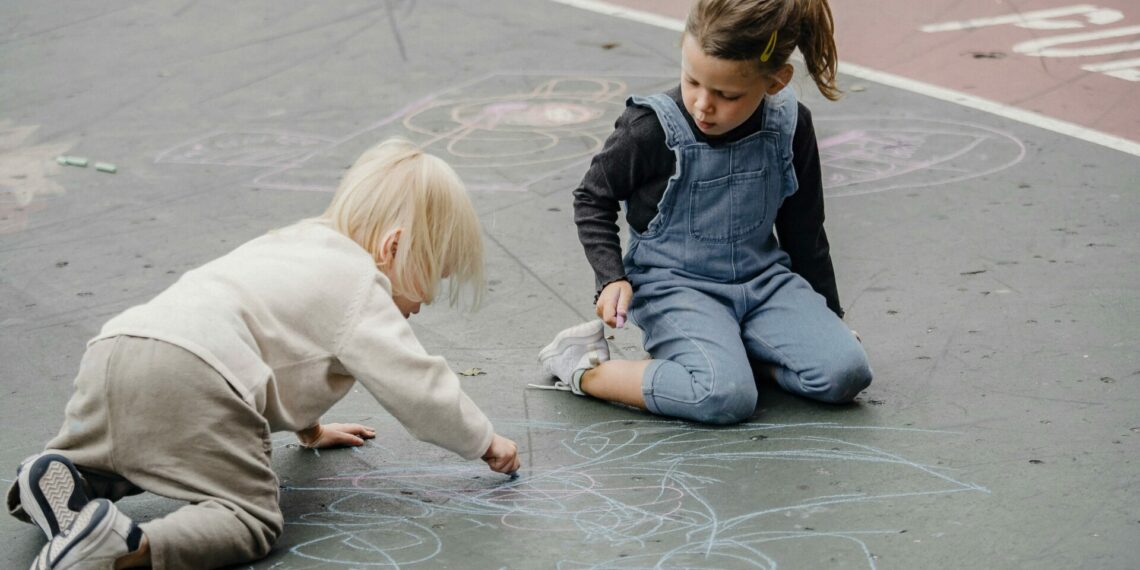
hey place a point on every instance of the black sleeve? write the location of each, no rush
(799, 223)
(614, 174)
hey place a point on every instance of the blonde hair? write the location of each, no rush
(395, 185)
(740, 30)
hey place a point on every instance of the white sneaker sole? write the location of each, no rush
(585, 333)
(99, 537)
(51, 493)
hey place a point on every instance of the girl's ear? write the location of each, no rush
(781, 78)
(388, 245)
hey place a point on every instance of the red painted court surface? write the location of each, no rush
(1073, 62)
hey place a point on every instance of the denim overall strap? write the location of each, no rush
(715, 219)
(677, 132)
(781, 112)
(679, 138)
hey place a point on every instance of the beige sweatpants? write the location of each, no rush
(149, 416)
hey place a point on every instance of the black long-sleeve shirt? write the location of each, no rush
(635, 165)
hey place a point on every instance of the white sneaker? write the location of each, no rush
(51, 492)
(99, 536)
(579, 347)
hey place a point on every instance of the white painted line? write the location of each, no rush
(627, 13)
(1021, 115)
(1112, 65)
(1013, 113)
(1032, 19)
(1044, 47)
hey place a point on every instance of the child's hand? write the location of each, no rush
(613, 303)
(335, 435)
(503, 455)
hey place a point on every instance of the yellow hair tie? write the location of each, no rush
(771, 47)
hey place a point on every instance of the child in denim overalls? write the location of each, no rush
(710, 173)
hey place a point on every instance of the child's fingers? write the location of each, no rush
(605, 308)
(621, 310)
(505, 465)
(341, 440)
(609, 314)
(354, 429)
(333, 438)
(345, 438)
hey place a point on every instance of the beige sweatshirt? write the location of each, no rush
(291, 319)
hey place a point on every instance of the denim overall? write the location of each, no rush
(712, 288)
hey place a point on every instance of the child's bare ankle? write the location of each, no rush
(139, 558)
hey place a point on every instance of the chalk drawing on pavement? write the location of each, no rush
(247, 148)
(863, 155)
(639, 493)
(27, 175)
(501, 132)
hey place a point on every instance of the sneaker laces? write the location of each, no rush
(562, 386)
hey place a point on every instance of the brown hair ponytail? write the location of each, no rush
(742, 30)
(817, 44)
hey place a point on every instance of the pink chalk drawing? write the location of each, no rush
(249, 148)
(27, 175)
(501, 131)
(864, 155)
(536, 132)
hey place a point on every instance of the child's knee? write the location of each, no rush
(704, 396)
(728, 410)
(270, 530)
(264, 525)
(726, 403)
(844, 375)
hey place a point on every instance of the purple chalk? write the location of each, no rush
(620, 321)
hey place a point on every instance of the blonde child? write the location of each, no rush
(179, 396)
(727, 259)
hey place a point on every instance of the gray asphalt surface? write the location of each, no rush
(991, 268)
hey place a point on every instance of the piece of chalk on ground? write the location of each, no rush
(620, 321)
(105, 167)
(61, 160)
(74, 161)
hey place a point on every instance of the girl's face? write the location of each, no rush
(407, 307)
(385, 262)
(720, 94)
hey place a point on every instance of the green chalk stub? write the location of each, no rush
(106, 167)
(61, 160)
(77, 161)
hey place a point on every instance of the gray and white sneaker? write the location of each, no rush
(572, 352)
(99, 536)
(51, 492)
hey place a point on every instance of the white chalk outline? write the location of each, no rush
(632, 483)
(859, 187)
(941, 93)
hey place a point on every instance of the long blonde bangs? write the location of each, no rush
(396, 185)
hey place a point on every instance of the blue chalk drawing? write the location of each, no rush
(661, 490)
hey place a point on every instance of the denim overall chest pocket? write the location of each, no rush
(728, 209)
